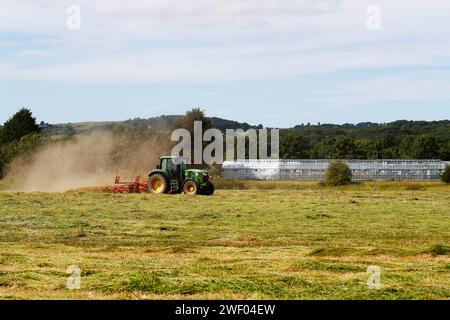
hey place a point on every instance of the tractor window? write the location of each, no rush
(164, 164)
(183, 164)
(178, 163)
(171, 166)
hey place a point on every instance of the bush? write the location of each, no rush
(338, 173)
(446, 175)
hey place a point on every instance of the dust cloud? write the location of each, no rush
(86, 161)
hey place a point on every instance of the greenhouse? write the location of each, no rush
(315, 169)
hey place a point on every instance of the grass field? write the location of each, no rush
(271, 240)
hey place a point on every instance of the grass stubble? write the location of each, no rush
(268, 240)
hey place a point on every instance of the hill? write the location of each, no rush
(160, 123)
(366, 140)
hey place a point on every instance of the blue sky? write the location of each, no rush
(274, 62)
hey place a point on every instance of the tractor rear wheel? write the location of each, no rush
(157, 183)
(190, 187)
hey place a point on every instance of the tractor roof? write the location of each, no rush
(170, 157)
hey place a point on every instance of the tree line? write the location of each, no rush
(396, 140)
(20, 135)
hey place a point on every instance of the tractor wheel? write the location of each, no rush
(190, 187)
(157, 184)
(209, 190)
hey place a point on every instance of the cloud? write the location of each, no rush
(9, 43)
(48, 42)
(205, 41)
(384, 89)
(213, 64)
(32, 53)
(216, 12)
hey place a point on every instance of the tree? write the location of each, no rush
(22, 148)
(445, 152)
(338, 173)
(18, 134)
(187, 122)
(19, 125)
(375, 141)
(3, 162)
(446, 175)
(339, 147)
(426, 147)
(384, 147)
(362, 148)
(406, 147)
(293, 146)
(344, 148)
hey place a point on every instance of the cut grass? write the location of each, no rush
(298, 241)
(378, 185)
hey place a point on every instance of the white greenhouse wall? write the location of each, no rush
(315, 169)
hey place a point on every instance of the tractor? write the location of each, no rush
(172, 175)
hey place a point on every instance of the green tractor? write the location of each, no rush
(173, 176)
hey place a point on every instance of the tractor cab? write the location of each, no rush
(173, 166)
(172, 163)
(172, 175)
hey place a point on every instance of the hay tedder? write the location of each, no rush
(170, 176)
(133, 186)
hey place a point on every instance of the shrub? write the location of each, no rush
(446, 175)
(338, 173)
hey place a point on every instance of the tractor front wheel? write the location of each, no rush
(190, 187)
(208, 190)
(157, 183)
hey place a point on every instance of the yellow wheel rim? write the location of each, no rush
(190, 188)
(157, 185)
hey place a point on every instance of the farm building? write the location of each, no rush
(315, 169)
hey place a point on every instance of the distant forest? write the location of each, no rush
(396, 140)
(20, 135)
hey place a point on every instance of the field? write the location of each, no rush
(270, 240)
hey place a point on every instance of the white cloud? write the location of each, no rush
(9, 43)
(210, 41)
(48, 42)
(32, 53)
(381, 90)
(224, 63)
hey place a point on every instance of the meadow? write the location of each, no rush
(251, 240)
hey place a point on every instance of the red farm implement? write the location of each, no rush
(133, 186)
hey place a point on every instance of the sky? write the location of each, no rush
(273, 62)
